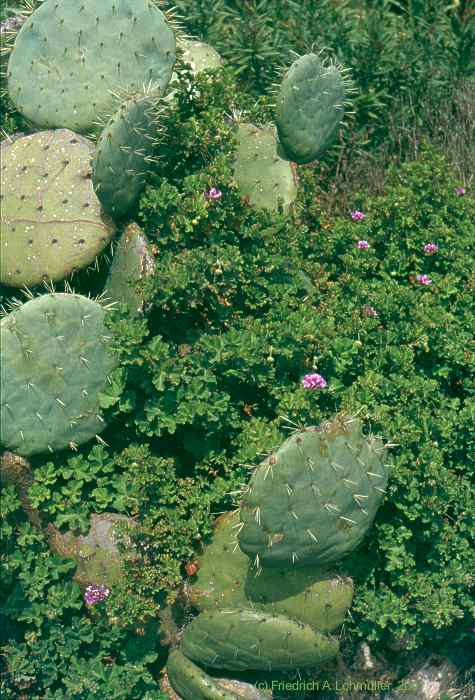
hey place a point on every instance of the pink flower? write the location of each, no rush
(95, 594)
(370, 311)
(431, 248)
(423, 279)
(314, 381)
(357, 215)
(460, 191)
(213, 193)
(362, 245)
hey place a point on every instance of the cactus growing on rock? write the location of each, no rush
(70, 57)
(56, 361)
(282, 619)
(52, 223)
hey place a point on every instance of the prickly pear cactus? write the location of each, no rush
(133, 260)
(282, 619)
(199, 55)
(310, 107)
(55, 363)
(124, 149)
(52, 223)
(261, 173)
(225, 579)
(313, 501)
(190, 681)
(70, 57)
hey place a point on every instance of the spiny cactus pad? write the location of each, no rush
(192, 683)
(313, 501)
(124, 149)
(310, 107)
(71, 56)
(225, 578)
(55, 362)
(51, 221)
(245, 639)
(261, 174)
(132, 261)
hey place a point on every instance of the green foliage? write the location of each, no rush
(51, 648)
(401, 56)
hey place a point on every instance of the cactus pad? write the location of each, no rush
(55, 363)
(199, 55)
(51, 220)
(133, 260)
(313, 501)
(310, 107)
(244, 639)
(225, 579)
(261, 174)
(192, 683)
(123, 150)
(71, 56)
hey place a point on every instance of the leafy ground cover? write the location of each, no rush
(374, 295)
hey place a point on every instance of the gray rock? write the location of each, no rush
(437, 677)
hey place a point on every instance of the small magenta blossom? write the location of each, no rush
(370, 311)
(460, 191)
(362, 245)
(357, 215)
(431, 248)
(314, 381)
(95, 594)
(423, 279)
(213, 193)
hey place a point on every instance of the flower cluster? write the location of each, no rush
(423, 279)
(431, 248)
(357, 215)
(213, 193)
(460, 191)
(370, 311)
(95, 594)
(314, 381)
(362, 245)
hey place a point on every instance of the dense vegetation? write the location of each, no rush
(243, 304)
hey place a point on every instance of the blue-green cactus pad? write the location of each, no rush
(71, 56)
(244, 639)
(309, 107)
(313, 501)
(55, 362)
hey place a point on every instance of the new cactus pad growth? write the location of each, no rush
(55, 363)
(124, 150)
(310, 107)
(261, 173)
(313, 501)
(282, 618)
(70, 57)
(133, 260)
(52, 223)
